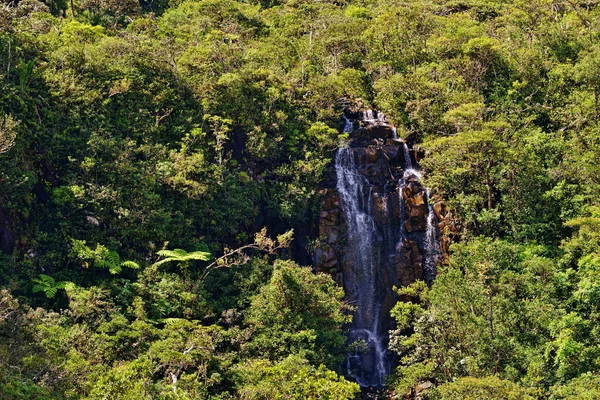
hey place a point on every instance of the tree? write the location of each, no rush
(488, 388)
(292, 378)
(298, 312)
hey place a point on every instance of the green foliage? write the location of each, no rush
(499, 309)
(292, 378)
(298, 312)
(101, 257)
(585, 387)
(48, 285)
(127, 125)
(181, 256)
(488, 388)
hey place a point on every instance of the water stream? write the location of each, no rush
(371, 362)
(367, 367)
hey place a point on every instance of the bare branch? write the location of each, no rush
(238, 257)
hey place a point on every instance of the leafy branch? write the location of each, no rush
(7, 133)
(101, 257)
(262, 242)
(231, 257)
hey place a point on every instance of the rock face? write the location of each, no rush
(377, 230)
(7, 238)
(7, 241)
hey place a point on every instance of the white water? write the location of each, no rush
(432, 243)
(363, 286)
(407, 160)
(347, 124)
(355, 196)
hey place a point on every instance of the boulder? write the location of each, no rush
(373, 131)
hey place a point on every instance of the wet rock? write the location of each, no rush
(409, 262)
(373, 131)
(391, 152)
(371, 155)
(440, 210)
(329, 217)
(380, 209)
(325, 258)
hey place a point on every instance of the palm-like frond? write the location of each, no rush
(175, 254)
(112, 261)
(130, 264)
(198, 255)
(180, 255)
(48, 285)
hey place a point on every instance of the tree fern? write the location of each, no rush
(181, 256)
(112, 261)
(48, 285)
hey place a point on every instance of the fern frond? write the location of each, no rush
(115, 269)
(130, 264)
(176, 254)
(172, 321)
(163, 261)
(51, 292)
(198, 255)
(39, 288)
(113, 258)
(45, 279)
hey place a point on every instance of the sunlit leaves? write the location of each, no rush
(48, 285)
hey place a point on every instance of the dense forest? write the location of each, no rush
(160, 179)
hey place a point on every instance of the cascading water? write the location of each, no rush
(355, 196)
(432, 244)
(376, 223)
(369, 115)
(347, 124)
(407, 160)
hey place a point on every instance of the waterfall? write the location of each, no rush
(374, 116)
(432, 244)
(373, 234)
(430, 241)
(368, 367)
(407, 160)
(348, 126)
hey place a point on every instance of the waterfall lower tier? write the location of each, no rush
(367, 365)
